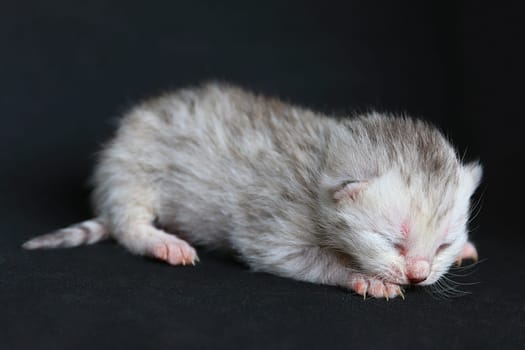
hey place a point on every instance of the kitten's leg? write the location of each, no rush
(130, 215)
(319, 265)
(126, 197)
(145, 239)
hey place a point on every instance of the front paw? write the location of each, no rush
(376, 288)
(469, 252)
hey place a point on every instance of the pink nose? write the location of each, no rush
(418, 270)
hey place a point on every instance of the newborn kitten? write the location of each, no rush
(370, 204)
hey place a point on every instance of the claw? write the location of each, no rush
(171, 249)
(401, 294)
(363, 285)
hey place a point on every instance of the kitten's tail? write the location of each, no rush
(86, 232)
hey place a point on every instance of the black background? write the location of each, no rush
(69, 69)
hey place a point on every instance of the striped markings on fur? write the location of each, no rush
(86, 232)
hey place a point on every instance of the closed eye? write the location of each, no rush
(442, 247)
(400, 248)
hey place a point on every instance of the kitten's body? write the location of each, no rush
(361, 203)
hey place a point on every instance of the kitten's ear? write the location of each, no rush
(475, 172)
(349, 190)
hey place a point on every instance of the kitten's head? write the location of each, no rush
(407, 223)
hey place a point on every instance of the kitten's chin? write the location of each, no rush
(430, 280)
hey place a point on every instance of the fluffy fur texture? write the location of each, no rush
(370, 203)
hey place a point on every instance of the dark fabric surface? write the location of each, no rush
(68, 69)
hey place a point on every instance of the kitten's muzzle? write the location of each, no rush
(416, 280)
(417, 270)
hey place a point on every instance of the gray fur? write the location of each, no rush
(226, 169)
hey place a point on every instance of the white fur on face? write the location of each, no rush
(392, 223)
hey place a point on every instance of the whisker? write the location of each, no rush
(476, 207)
(445, 288)
(470, 273)
(459, 283)
(469, 266)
